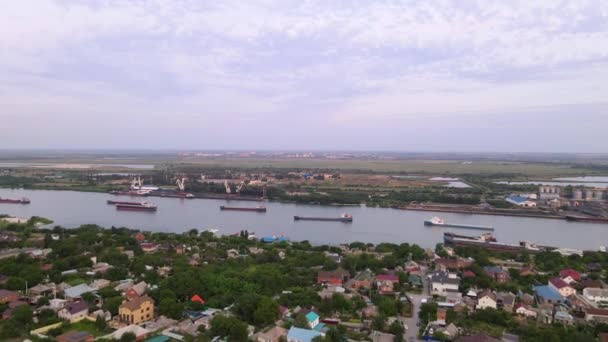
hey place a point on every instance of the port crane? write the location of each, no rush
(181, 183)
(228, 190)
(137, 183)
(239, 187)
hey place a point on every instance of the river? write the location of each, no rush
(71, 209)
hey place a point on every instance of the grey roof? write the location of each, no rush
(77, 307)
(444, 278)
(78, 290)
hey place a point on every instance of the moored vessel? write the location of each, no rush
(436, 221)
(123, 203)
(344, 218)
(260, 209)
(145, 206)
(22, 200)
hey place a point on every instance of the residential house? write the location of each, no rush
(525, 310)
(412, 267)
(505, 301)
(302, 335)
(74, 312)
(338, 277)
(386, 283)
(136, 290)
(564, 289)
(547, 295)
(8, 296)
(441, 316)
(335, 257)
(100, 283)
(415, 280)
(563, 317)
(272, 335)
(137, 310)
(75, 336)
(527, 271)
(596, 315)
(569, 275)
(312, 319)
(362, 280)
(452, 296)
(149, 247)
(11, 307)
(497, 273)
(369, 311)
(377, 336)
(596, 295)
(442, 281)
(42, 290)
(76, 292)
(468, 274)
(452, 264)
(486, 299)
(585, 283)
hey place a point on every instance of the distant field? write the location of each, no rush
(406, 166)
(452, 167)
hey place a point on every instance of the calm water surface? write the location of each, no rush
(70, 209)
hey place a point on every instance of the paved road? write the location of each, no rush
(412, 322)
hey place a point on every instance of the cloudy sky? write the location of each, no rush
(296, 74)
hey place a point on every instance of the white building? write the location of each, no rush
(520, 201)
(443, 282)
(596, 295)
(485, 300)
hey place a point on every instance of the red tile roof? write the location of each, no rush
(558, 283)
(568, 272)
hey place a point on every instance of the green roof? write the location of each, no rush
(159, 338)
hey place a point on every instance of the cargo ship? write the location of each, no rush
(15, 201)
(587, 219)
(343, 218)
(145, 206)
(488, 241)
(436, 221)
(259, 209)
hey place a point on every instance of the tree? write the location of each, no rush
(171, 308)
(232, 328)
(397, 329)
(128, 337)
(15, 283)
(111, 304)
(378, 323)
(300, 321)
(100, 323)
(267, 312)
(22, 315)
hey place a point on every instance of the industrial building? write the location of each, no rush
(548, 192)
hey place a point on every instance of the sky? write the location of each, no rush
(433, 75)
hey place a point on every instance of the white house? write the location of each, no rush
(559, 285)
(524, 310)
(443, 282)
(596, 295)
(74, 312)
(486, 299)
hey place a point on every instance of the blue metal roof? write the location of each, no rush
(302, 335)
(547, 293)
(517, 199)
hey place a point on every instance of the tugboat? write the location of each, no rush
(344, 218)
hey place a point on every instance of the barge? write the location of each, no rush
(343, 218)
(488, 241)
(15, 201)
(587, 219)
(145, 206)
(259, 209)
(436, 221)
